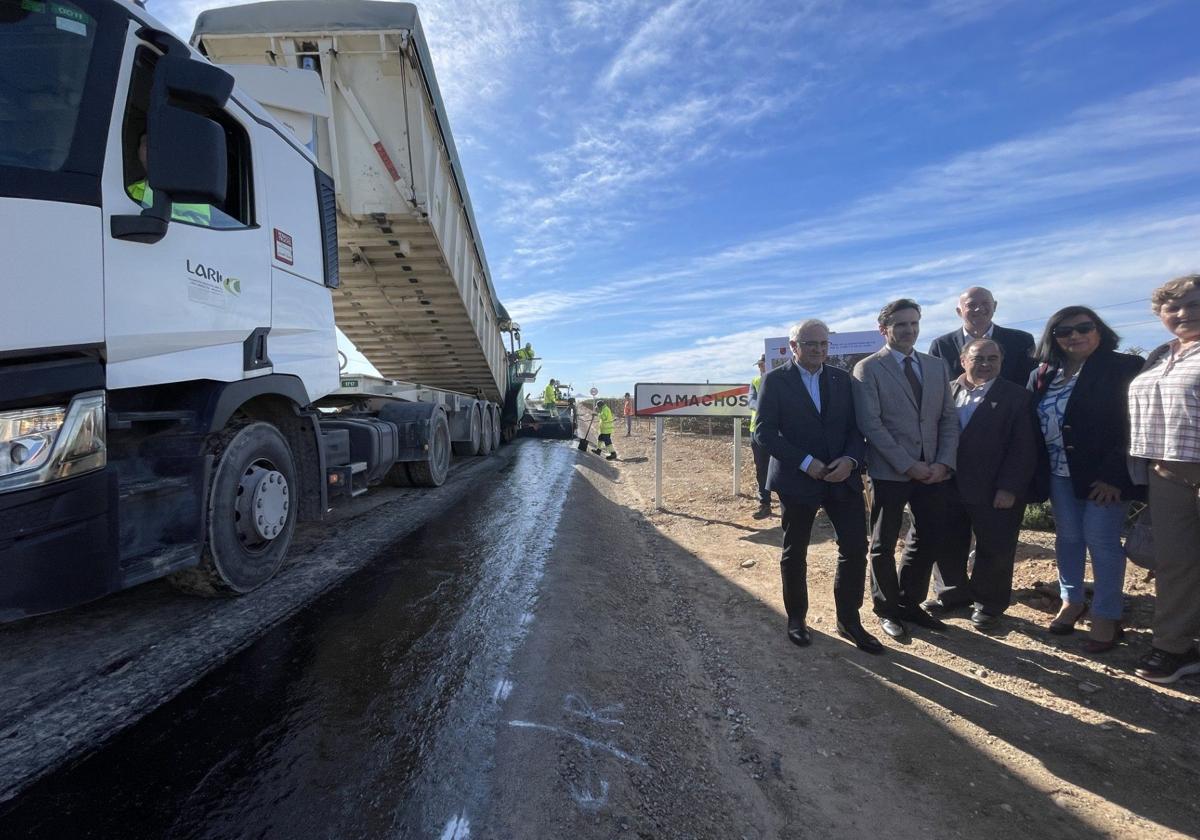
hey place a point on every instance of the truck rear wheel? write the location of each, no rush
(433, 472)
(497, 432)
(251, 513)
(486, 433)
(470, 446)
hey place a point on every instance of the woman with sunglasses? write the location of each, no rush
(1080, 395)
(1164, 408)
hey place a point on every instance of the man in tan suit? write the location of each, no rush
(904, 409)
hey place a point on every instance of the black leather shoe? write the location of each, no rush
(984, 622)
(861, 638)
(893, 627)
(921, 618)
(939, 608)
(798, 635)
(763, 512)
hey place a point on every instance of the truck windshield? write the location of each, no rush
(45, 49)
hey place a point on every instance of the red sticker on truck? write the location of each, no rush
(283, 247)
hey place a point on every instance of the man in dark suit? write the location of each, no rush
(904, 409)
(976, 306)
(806, 423)
(997, 456)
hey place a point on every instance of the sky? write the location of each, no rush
(660, 186)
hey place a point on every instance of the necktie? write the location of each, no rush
(913, 381)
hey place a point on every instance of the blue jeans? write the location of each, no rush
(1081, 526)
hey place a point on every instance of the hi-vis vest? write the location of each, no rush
(754, 386)
(196, 214)
(606, 421)
(550, 395)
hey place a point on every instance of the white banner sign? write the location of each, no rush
(691, 400)
(860, 343)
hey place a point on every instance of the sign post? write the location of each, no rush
(737, 457)
(659, 400)
(658, 436)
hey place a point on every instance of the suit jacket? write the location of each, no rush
(896, 428)
(1095, 424)
(790, 428)
(1017, 346)
(997, 449)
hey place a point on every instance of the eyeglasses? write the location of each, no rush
(1066, 331)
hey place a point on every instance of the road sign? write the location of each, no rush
(848, 347)
(691, 400)
(594, 391)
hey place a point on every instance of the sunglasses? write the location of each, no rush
(1066, 331)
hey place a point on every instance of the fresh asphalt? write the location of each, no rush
(369, 712)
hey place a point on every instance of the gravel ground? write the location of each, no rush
(657, 695)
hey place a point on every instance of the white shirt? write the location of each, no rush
(812, 381)
(900, 357)
(967, 337)
(968, 399)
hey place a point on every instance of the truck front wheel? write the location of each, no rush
(251, 513)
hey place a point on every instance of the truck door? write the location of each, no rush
(196, 304)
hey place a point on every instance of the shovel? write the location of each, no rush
(583, 441)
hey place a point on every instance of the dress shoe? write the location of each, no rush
(763, 512)
(1106, 634)
(939, 608)
(798, 635)
(893, 627)
(1063, 624)
(861, 638)
(921, 618)
(984, 622)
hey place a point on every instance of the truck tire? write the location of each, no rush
(250, 513)
(470, 446)
(433, 472)
(497, 432)
(485, 432)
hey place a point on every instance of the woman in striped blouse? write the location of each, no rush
(1164, 410)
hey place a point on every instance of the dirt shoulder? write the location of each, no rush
(657, 695)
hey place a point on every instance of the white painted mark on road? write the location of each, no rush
(589, 801)
(459, 828)
(526, 619)
(573, 704)
(503, 689)
(590, 743)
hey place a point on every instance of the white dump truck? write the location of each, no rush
(179, 240)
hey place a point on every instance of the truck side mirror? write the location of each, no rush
(186, 156)
(185, 149)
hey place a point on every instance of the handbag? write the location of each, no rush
(1139, 538)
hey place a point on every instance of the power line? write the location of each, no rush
(1102, 306)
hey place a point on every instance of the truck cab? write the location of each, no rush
(158, 288)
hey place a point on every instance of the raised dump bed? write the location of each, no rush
(355, 81)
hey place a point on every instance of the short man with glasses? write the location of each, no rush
(996, 457)
(806, 423)
(904, 408)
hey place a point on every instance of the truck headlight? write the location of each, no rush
(39, 445)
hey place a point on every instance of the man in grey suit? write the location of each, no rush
(904, 409)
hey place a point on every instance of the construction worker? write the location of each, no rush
(762, 458)
(525, 353)
(139, 191)
(550, 396)
(604, 438)
(627, 410)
